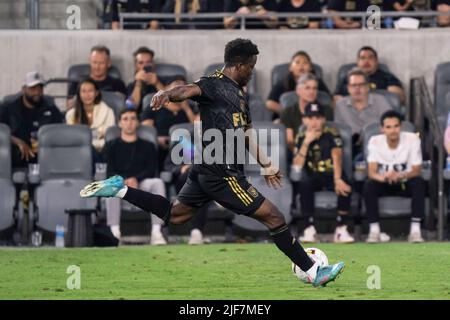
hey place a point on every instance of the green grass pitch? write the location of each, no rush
(222, 271)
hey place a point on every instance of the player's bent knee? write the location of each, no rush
(269, 215)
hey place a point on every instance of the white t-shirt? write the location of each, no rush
(407, 154)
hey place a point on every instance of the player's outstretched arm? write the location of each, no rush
(177, 94)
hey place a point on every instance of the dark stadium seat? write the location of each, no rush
(166, 70)
(251, 86)
(65, 167)
(290, 98)
(280, 72)
(146, 100)
(392, 98)
(442, 89)
(392, 206)
(8, 192)
(258, 109)
(114, 100)
(281, 198)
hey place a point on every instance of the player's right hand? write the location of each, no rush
(159, 100)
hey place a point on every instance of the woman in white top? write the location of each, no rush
(90, 110)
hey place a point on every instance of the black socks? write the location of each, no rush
(149, 202)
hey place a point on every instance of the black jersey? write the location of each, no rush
(223, 105)
(318, 157)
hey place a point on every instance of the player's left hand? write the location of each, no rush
(273, 177)
(159, 100)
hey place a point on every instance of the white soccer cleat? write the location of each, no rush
(341, 235)
(375, 237)
(309, 235)
(196, 237)
(115, 230)
(415, 237)
(157, 239)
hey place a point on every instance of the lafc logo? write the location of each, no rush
(252, 191)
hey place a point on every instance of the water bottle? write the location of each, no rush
(59, 238)
(389, 22)
(447, 167)
(129, 103)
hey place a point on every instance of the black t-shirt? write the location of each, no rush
(24, 121)
(145, 89)
(290, 85)
(298, 22)
(349, 6)
(380, 79)
(234, 5)
(318, 157)
(385, 5)
(223, 105)
(164, 119)
(206, 6)
(447, 2)
(114, 7)
(131, 159)
(109, 84)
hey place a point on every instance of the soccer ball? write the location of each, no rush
(316, 255)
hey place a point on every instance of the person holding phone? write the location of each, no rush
(145, 79)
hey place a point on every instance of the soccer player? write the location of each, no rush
(223, 105)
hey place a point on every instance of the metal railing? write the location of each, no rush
(423, 115)
(33, 13)
(201, 19)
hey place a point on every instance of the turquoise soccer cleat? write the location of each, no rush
(103, 188)
(327, 274)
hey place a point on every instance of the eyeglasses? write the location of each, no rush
(358, 85)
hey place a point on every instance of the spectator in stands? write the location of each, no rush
(394, 168)
(291, 116)
(360, 108)
(99, 62)
(318, 155)
(25, 114)
(145, 79)
(263, 8)
(112, 8)
(378, 78)
(443, 6)
(136, 161)
(299, 6)
(300, 64)
(347, 6)
(447, 136)
(194, 7)
(92, 111)
(162, 119)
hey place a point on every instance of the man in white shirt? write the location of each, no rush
(394, 168)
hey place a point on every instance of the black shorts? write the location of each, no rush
(233, 193)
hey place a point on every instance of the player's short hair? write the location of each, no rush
(391, 114)
(368, 48)
(239, 51)
(307, 77)
(143, 50)
(123, 111)
(101, 48)
(357, 72)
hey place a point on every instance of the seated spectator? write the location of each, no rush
(145, 79)
(112, 8)
(394, 169)
(443, 6)
(92, 111)
(347, 6)
(99, 62)
(299, 6)
(24, 115)
(194, 7)
(360, 108)
(291, 117)
(300, 64)
(318, 155)
(136, 161)
(164, 118)
(378, 78)
(262, 8)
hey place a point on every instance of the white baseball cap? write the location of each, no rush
(33, 78)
